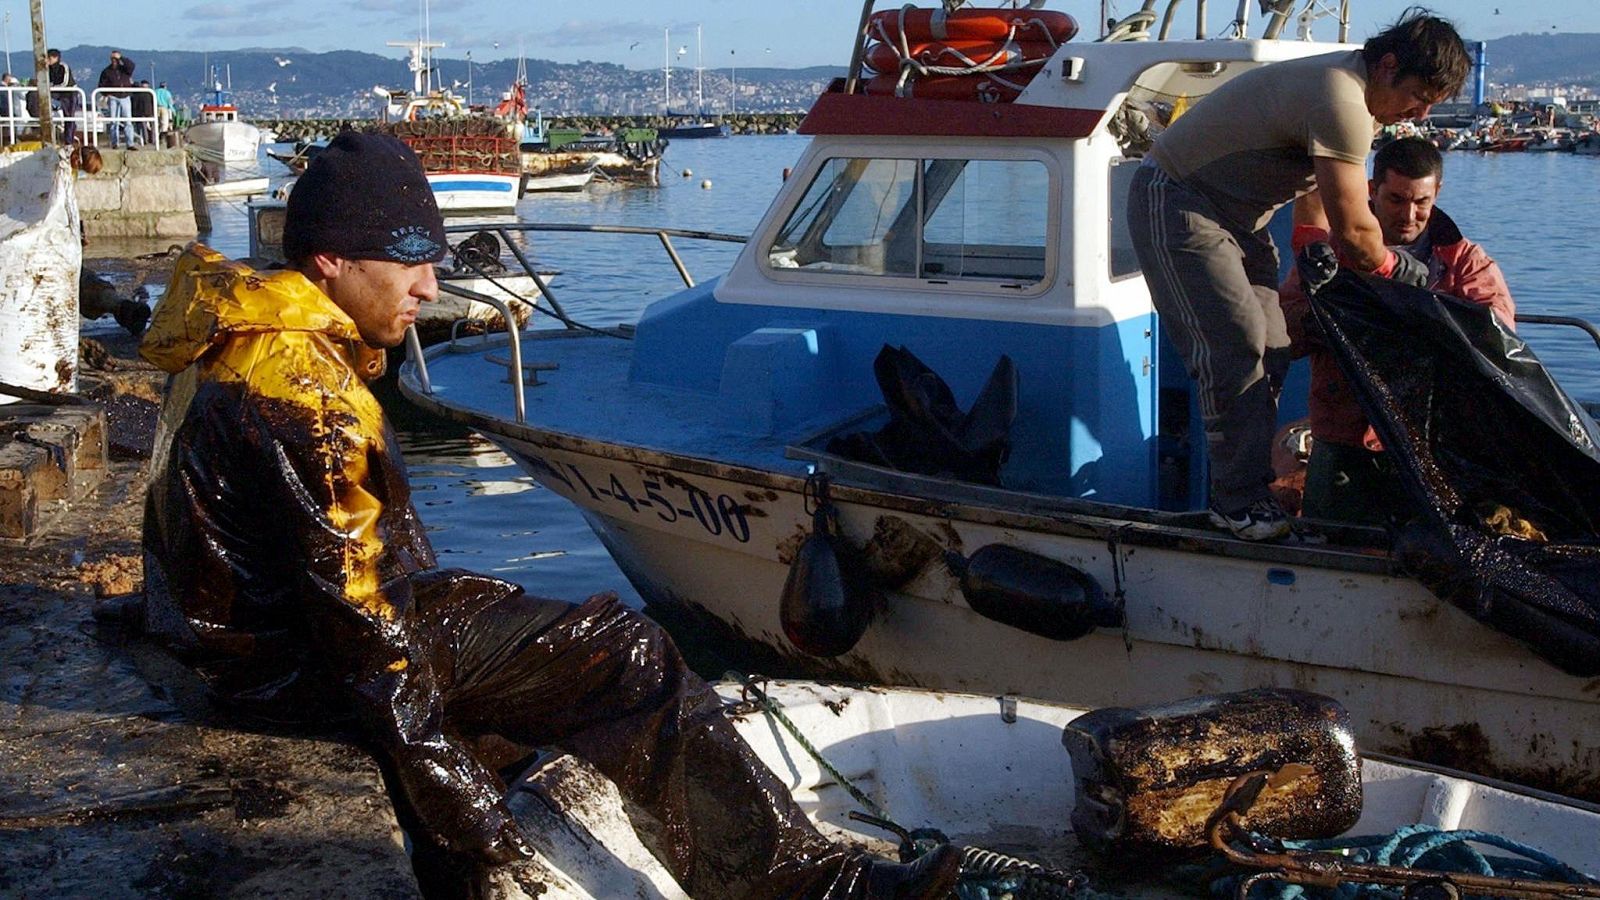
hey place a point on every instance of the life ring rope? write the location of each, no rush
(899, 38)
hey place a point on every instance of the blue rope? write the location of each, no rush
(1415, 847)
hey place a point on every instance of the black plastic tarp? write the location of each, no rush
(1500, 466)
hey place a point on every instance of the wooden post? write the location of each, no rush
(41, 70)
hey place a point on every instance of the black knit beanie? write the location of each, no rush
(364, 197)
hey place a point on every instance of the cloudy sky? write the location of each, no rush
(628, 32)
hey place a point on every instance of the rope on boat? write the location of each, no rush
(985, 874)
(774, 709)
(536, 307)
(1415, 847)
(909, 65)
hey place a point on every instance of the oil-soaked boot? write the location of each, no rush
(932, 877)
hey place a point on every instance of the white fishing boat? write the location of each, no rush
(249, 186)
(566, 181)
(471, 162)
(991, 774)
(987, 237)
(220, 135)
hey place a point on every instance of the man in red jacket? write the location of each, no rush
(1349, 478)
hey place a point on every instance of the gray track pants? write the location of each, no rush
(1215, 288)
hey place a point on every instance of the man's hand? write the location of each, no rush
(1317, 264)
(1409, 270)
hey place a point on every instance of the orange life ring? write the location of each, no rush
(982, 88)
(884, 57)
(967, 24)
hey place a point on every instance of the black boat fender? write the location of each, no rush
(826, 605)
(1037, 594)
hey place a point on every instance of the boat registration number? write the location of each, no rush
(668, 497)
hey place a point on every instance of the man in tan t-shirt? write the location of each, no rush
(1198, 210)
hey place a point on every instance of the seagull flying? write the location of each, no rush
(281, 61)
(272, 88)
(633, 45)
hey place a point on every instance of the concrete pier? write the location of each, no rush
(117, 778)
(142, 193)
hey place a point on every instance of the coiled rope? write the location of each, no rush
(1417, 847)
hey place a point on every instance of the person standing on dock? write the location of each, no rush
(164, 109)
(116, 75)
(63, 94)
(284, 562)
(1198, 211)
(1349, 478)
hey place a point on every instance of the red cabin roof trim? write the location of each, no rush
(840, 113)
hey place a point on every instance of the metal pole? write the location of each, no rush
(41, 70)
(1200, 20)
(7, 25)
(733, 80)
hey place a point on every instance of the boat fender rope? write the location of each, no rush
(1119, 577)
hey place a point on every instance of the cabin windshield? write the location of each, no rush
(936, 220)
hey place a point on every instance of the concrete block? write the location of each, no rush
(110, 163)
(96, 193)
(27, 480)
(55, 455)
(156, 192)
(175, 225)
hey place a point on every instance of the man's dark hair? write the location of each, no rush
(53, 52)
(1424, 46)
(1410, 157)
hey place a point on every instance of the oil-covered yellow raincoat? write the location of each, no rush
(282, 550)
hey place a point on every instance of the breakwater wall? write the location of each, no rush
(754, 123)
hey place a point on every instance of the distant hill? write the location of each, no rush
(288, 82)
(1531, 58)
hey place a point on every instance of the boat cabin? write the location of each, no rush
(965, 230)
(219, 112)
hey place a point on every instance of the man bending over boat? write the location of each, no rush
(285, 563)
(1349, 478)
(1198, 210)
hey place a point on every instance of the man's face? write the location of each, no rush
(1392, 100)
(1403, 205)
(382, 296)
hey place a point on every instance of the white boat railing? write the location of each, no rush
(514, 338)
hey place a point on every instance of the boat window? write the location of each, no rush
(987, 219)
(938, 220)
(844, 222)
(1123, 261)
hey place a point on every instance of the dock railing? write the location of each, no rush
(504, 232)
(146, 129)
(17, 113)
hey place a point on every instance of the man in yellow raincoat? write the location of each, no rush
(285, 564)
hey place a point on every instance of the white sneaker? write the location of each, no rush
(1263, 520)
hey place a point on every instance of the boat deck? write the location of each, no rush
(593, 396)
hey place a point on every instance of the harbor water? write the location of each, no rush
(1531, 211)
